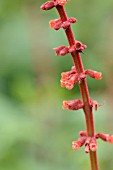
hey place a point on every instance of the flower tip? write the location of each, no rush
(42, 7)
(62, 2)
(93, 147)
(87, 149)
(65, 105)
(98, 75)
(47, 5)
(110, 140)
(52, 23)
(76, 145)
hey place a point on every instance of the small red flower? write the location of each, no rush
(47, 5)
(87, 149)
(110, 139)
(73, 104)
(79, 46)
(83, 133)
(95, 104)
(68, 81)
(77, 144)
(65, 24)
(104, 137)
(94, 74)
(72, 49)
(72, 20)
(93, 144)
(55, 24)
(59, 49)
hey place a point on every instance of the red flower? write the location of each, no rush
(94, 74)
(93, 144)
(55, 24)
(76, 145)
(73, 104)
(47, 5)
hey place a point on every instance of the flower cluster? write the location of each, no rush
(63, 50)
(56, 24)
(70, 78)
(89, 142)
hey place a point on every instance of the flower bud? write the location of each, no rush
(72, 20)
(58, 49)
(77, 144)
(47, 5)
(73, 104)
(73, 69)
(94, 74)
(65, 24)
(94, 104)
(88, 140)
(79, 46)
(55, 24)
(93, 144)
(110, 139)
(83, 133)
(64, 51)
(72, 49)
(104, 137)
(87, 149)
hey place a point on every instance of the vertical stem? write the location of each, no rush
(83, 87)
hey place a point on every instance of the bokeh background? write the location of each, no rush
(35, 133)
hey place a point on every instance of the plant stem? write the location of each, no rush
(83, 87)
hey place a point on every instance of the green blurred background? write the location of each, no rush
(35, 133)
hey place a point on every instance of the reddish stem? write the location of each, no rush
(83, 87)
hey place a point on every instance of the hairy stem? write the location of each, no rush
(82, 85)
